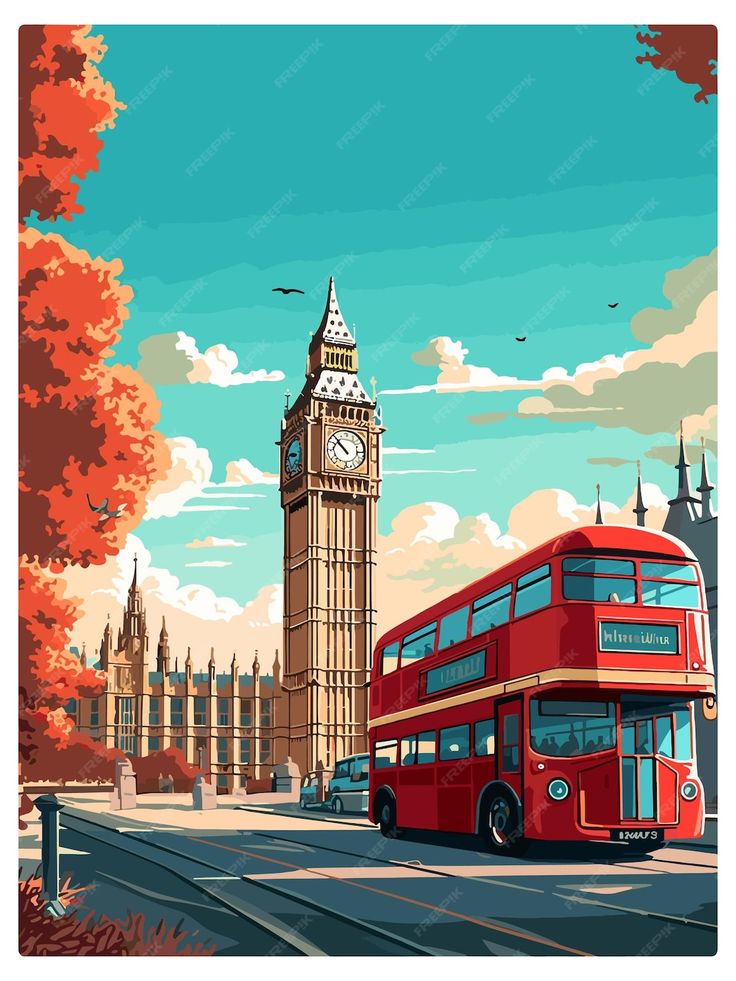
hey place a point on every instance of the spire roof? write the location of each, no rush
(682, 467)
(332, 327)
(163, 635)
(134, 583)
(705, 484)
(598, 515)
(639, 509)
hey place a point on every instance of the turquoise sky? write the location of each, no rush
(400, 272)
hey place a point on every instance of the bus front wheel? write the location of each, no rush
(502, 825)
(337, 806)
(387, 818)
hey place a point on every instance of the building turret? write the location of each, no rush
(163, 656)
(234, 671)
(276, 671)
(639, 510)
(83, 656)
(188, 664)
(598, 515)
(705, 487)
(105, 645)
(256, 669)
(211, 667)
(682, 511)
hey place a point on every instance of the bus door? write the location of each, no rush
(509, 743)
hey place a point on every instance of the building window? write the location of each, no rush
(71, 708)
(265, 750)
(223, 711)
(200, 710)
(245, 750)
(177, 711)
(125, 735)
(94, 711)
(222, 780)
(154, 744)
(222, 750)
(266, 713)
(246, 713)
(154, 718)
(179, 742)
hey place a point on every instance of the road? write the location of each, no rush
(324, 885)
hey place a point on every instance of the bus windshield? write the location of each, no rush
(572, 728)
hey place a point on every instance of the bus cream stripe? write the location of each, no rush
(548, 677)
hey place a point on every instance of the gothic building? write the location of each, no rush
(222, 722)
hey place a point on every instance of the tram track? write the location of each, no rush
(282, 932)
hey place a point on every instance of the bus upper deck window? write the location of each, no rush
(418, 644)
(491, 610)
(384, 754)
(533, 591)
(454, 627)
(390, 658)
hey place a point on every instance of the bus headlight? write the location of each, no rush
(689, 790)
(558, 789)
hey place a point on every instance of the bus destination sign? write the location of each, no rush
(460, 672)
(638, 638)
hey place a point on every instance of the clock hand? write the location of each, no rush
(341, 445)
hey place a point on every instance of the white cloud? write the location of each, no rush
(188, 475)
(399, 451)
(211, 541)
(175, 359)
(210, 564)
(242, 471)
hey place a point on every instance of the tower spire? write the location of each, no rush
(682, 467)
(705, 487)
(639, 510)
(598, 515)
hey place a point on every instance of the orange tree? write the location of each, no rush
(86, 427)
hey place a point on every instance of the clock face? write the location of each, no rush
(345, 449)
(293, 457)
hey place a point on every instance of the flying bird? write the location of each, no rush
(103, 510)
(613, 305)
(280, 289)
(521, 339)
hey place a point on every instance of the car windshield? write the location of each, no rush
(572, 728)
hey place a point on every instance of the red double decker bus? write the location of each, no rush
(552, 699)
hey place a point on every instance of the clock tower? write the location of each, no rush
(330, 484)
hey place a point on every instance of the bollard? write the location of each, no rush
(49, 808)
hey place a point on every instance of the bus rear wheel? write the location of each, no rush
(337, 806)
(387, 818)
(502, 825)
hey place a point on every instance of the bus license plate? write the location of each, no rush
(638, 834)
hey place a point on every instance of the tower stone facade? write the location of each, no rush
(330, 485)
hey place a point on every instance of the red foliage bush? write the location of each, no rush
(71, 936)
(167, 762)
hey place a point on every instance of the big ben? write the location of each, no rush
(330, 484)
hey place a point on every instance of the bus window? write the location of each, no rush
(455, 743)
(491, 610)
(454, 627)
(667, 570)
(342, 769)
(408, 750)
(390, 658)
(384, 754)
(533, 591)
(599, 589)
(572, 728)
(419, 644)
(485, 737)
(670, 594)
(599, 567)
(426, 747)
(683, 745)
(663, 726)
(510, 749)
